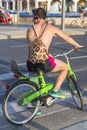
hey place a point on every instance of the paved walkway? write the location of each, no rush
(19, 31)
(79, 126)
(13, 31)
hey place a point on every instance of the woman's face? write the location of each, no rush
(36, 19)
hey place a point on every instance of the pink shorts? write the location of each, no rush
(48, 66)
(51, 59)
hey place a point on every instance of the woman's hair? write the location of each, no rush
(40, 12)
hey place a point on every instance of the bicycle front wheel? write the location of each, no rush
(74, 23)
(13, 109)
(76, 93)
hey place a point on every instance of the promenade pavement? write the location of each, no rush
(14, 31)
(79, 126)
(20, 32)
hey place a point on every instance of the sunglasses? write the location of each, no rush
(34, 11)
(36, 17)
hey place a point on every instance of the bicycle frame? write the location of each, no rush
(70, 73)
(42, 86)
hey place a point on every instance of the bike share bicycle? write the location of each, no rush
(29, 92)
(78, 22)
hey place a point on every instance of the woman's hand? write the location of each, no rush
(79, 47)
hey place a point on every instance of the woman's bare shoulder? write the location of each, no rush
(30, 34)
(29, 29)
(53, 28)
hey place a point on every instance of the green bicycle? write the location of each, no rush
(26, 95)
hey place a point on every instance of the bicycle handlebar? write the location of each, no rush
(66, 53)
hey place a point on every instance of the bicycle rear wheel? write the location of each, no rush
(76, 93)
(74, 23)
(13, 109)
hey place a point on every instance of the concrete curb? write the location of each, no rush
(75, 32)
(22, 33)
(13, 34)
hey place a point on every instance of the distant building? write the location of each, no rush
(71, 5)
(55, 7)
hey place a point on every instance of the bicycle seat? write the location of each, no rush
(15, 69)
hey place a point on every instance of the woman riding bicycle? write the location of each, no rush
(52, 64)
(82, 15)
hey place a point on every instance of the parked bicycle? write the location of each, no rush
(78, 22)
(25, 97)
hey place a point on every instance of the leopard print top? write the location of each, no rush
(38, 52)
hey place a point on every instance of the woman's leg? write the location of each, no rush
(62, 68)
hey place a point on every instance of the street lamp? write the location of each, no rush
(18, 10)
(63, 14)
(86, 2)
